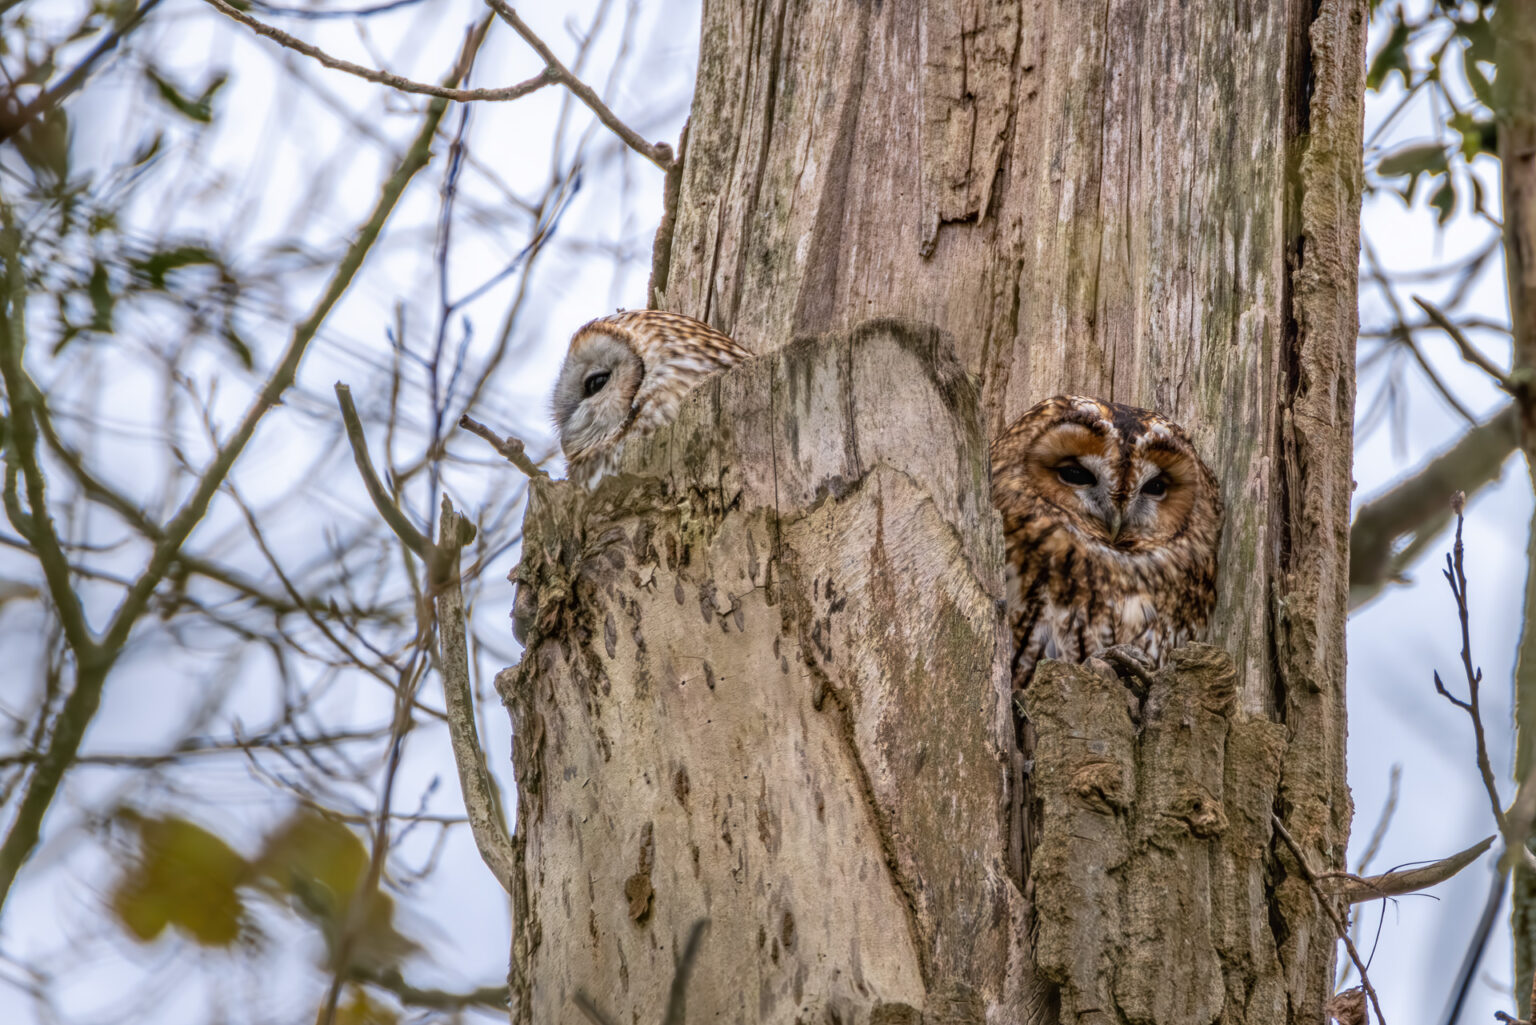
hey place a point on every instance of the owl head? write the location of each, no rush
(594, 398)
(624, 376)
(1116, 476)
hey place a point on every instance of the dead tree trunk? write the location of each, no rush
(1152, 202)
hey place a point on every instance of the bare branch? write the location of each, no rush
(387, 509)
(35, 524)
(658, 153)
(498, 849)
(400, 82)
(510, 448)
(1418, 505)
(1456, 576)
(1356, 889)
(312, 14)
(1469, 352)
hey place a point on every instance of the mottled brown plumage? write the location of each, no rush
(623, 377)
(1111, 523)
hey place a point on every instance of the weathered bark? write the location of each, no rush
(1152, 202)
(768, 685)
(1150, 878)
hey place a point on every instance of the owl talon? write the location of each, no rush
(1132, 664)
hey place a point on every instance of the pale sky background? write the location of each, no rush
(56, 916)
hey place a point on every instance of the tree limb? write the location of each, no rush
(400, 82)
(658, 153)
(34, 524)
(482, 805)
(1418, 506)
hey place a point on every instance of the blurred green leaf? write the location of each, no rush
(154, 267)
(242, 350)
(186, 877)
(102, 301)
(318, 849)
(320, 864)
(1422, 158)
(1478, 135)
(1393, 56)
(199, 109)
(1444, 200)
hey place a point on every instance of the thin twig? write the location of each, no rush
(1456, 575)
(311, 14)
(400, 82)
(1469, 352)
(658, 153)
(403, 528)
(1404, 336)
(1327, 905)
(510, 448)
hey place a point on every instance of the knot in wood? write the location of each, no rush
(1201, 812)
(1100, 786)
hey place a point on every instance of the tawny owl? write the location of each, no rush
(626, 375)
(1111, 523)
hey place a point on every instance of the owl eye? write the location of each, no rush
(1157, 487)
(1076, 474)
(594, 383)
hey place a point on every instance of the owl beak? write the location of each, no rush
(1116, 519)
